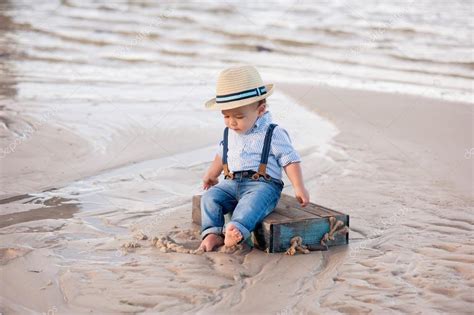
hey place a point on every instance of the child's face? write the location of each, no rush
(241, 119)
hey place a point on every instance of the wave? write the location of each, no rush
(468, 64)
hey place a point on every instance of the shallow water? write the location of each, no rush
(84, 65)
(398, 46)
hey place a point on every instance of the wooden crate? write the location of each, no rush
(289, 219)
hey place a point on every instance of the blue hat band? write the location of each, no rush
(241, 95)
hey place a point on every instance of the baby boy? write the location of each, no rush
(252, 153)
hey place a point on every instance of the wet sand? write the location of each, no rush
(397, 165)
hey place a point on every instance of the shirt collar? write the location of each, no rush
(261, 122)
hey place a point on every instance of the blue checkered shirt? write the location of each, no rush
(245, 150)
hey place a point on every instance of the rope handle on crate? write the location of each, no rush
(335, 227)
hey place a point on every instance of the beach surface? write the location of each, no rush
(396, 165)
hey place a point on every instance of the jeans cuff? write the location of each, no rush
(213, 230)
(242, 229)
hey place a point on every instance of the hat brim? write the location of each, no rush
(212, 105)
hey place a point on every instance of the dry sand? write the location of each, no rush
(398, 167)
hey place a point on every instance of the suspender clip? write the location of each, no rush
(227, 173)
(262, 171)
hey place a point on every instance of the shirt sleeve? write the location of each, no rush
(219, 148)
(282, 147)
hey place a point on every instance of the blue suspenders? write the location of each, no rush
(227, 173)
(262, 168)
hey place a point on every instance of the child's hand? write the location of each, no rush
(302, 196)
(208, 182)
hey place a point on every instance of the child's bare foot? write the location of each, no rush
(232, 235)
(210, 242)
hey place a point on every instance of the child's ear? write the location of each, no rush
(261, 109)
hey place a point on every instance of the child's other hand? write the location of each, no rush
(208, 182)
(302, 196)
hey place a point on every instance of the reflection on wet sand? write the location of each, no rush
(54, 209)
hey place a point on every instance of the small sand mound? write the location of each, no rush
(166, 244)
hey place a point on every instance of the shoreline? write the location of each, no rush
(430, 132)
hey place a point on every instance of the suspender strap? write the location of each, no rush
(267, 144)
(262, 168)
(227, 173)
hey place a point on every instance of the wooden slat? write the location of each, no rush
(317, 212)
(294, 213)
(262, 236)
(311, 207)
(332, 212)
(275, 217)
(323, 213)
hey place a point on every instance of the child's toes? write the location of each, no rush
(232, 236)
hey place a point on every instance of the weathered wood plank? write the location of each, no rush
(262, 236)
(317, 212)
(293, 213)
(314, 208)
(312, 231)
(275, 217)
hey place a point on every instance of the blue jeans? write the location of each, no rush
(250, 200)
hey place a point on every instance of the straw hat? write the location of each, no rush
(239, 86)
